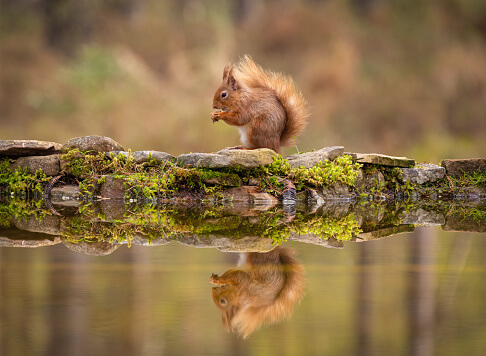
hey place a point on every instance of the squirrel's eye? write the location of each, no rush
(222, 301)
(224, 94)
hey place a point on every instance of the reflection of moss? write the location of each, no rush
(20, 181)
(20, 209)
(154, 223)
(343, 229)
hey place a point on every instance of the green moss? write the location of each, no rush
(20, 181)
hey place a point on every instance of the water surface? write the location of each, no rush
(418, 293)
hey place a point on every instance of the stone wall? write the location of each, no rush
(417, 178)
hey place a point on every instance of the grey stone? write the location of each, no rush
(264, 199)
(384, 232)
(49, 224)
(422, 217)
(241, 194)
(310, 159)
(384, 160)
(65, 193)
(203, 160)
(316, 240)
(249, 158)
(92, 143)
(460, 167)
(461, 222)
(113, 188)
(17, 148)
(48, 164)
(314, 200)
(93, 248)
(336, 191)
(367, 181)
(140, 157)
(7, 242)
(422, 173)
(228, 243)
(230, 180)
(229, 158)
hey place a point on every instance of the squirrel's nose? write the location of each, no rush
(214, 107)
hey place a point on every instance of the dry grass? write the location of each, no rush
(408, 81)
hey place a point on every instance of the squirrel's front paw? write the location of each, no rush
(215, 116)
(214, 279)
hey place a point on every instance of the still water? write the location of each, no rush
(418, 293)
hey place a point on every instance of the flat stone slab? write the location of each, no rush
(17, 148)
(460, 167)
(140, 157)
(49, 164)
(310, 159)
(383, 160)
(65, 193)
(231, 158)
(421, 217)
(423, 173)
(92, 143)
(384, 232)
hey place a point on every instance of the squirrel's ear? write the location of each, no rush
(232, 80)
(225, 72)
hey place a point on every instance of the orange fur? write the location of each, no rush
(265, 105)
(265, 290)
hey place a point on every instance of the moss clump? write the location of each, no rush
(20, 181)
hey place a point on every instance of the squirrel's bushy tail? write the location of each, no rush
(296, 107)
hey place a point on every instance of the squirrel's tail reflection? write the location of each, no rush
(263, 290)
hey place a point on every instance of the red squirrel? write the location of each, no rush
(264, 289)
(265, 106)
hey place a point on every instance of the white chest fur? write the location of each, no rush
(244, 137)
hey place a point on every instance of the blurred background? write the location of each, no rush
(399, 77)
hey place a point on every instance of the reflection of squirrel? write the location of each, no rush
(265, 106)
(264, 290)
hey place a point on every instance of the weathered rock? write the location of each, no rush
(140, 157)
(460, 167)
(144, 240)
(17, 148)
(65, 195)
(368, 215)
(423, 173)
(229, 158)
(384, 160)
(263, 199)
(316, 240)
(249, 158)
(369, 180)
(227, 179)
(314, 200)
(422, 217)
(229, 243)
(92, 143)
(28, 241)
(241, 194)
(113, 209)
(459, 222)
(310, 159)
(48, 164)
(336, 191)
(113, 188)
(384, 232)
(203, 160)
(94, 248)
(50, 224)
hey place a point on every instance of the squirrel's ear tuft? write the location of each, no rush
(226, 71)
(232, 80)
